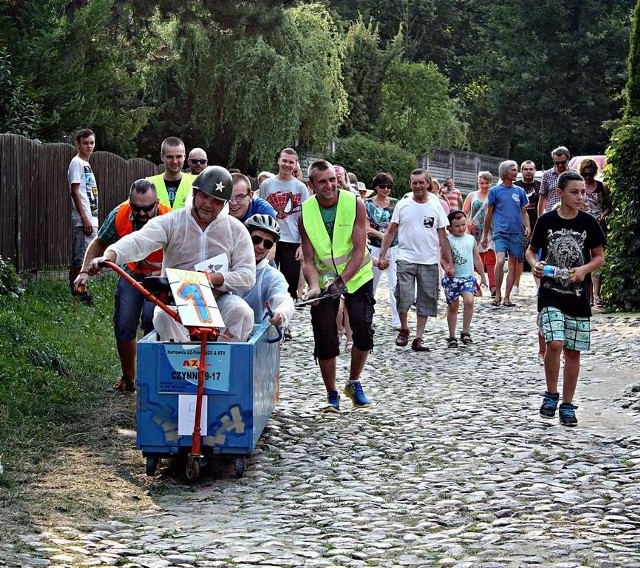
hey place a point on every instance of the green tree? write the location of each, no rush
(428, 26)
(366, 157)
(20, 112)
(65, 62)
(244, 96)
(417, 111)
(532, 80)
(632, 93)
(364, 68)
(621, 282)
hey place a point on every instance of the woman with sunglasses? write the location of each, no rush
(379, 210)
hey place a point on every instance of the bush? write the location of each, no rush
(366, 157)
(621, 282)
(10, 282)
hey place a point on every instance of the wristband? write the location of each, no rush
(83, 272)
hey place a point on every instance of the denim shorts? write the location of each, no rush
(80, 244)
(130, 308)
(574, 332)
(511, 243)
(454, 287)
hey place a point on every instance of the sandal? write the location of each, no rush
(508, 304)
(403, 338)
(466, 338)
(348, 346)
(452, 342)
(495, 303)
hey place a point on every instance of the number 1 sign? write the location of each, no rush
(194, 299)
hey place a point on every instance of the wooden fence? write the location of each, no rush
(35, 203)
(463, 167)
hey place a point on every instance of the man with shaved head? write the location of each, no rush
(197, 161)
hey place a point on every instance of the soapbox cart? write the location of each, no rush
(206, 396)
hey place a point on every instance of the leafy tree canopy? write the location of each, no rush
(417, 111)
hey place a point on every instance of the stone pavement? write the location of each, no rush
(451, 467)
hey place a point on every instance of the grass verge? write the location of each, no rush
(64, 439)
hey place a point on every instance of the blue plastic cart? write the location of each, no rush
(241, 390)
(204, 397)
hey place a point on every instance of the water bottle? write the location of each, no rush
(556, 272)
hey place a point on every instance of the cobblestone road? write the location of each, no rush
(451, 467)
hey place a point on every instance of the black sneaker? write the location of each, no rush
(549, 405)
(85, 298)
(567, 414)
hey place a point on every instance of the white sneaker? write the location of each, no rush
(515, 290)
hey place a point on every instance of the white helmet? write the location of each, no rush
(264, 223)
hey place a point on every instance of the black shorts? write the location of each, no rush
(290, 267)
(359, 306)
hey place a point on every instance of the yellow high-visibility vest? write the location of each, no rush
(333, 254)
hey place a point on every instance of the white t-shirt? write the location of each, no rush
(286, 197)
(418, 225)
(80, 172)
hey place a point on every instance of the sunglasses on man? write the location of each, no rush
(142, 208)
(197, 161)
(266, 243)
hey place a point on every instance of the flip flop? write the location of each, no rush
(508, 304)
(495, 303)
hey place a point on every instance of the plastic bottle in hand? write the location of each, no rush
(556, 272)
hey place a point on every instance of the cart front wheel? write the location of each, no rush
(152, 465)
(192, 471)
(239, 467)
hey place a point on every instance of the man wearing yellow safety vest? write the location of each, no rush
(333, 231)
(131, 308)
(173, 185)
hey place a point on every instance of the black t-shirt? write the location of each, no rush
(566, 243)
(533, 195)
(172, 189)
(532, 190)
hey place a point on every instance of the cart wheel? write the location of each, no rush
(152, 464)
(192, 471)
(239, 467)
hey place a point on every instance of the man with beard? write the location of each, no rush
(131, 308)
